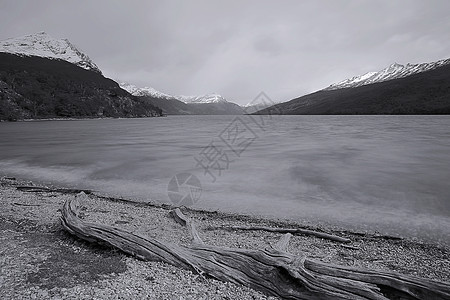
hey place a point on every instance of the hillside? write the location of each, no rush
(37, 87)
(422, 93)
(169, 106)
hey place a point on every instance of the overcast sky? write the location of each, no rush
(239, 48)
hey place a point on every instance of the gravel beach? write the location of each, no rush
(39, 260)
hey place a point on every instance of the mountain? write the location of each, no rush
(145, 91)
(149, 91)
(41, 77)
(425, 92)
(208, 98)
(209, 104)
(43, 45)
(394, 71)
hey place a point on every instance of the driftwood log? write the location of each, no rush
(271, 271)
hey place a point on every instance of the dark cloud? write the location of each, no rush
(239, 48)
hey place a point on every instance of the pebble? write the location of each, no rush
(156, 280)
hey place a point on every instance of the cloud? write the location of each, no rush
(239, 48)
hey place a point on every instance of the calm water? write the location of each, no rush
(378, 173)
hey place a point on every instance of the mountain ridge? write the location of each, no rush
(394, 71)
(149, 91)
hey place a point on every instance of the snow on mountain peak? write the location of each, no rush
(394, 71)
(43, 45)
(208, 98)
(145, 91)
(149, 91)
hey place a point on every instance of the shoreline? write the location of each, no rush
(277, 221)
(76, 119)
(28, 219)
(321, 225)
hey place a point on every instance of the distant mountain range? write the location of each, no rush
(43, 77)
(209, 104)
(397, 89)
(149, 91)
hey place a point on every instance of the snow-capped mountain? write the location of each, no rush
(149, 91)
(208, 98)
(421, 93)
(43, 45)
(145, 91)
(394, 71)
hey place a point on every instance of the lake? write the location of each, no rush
(370, 173)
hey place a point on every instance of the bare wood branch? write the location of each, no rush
(179, 216)
(194, 233)
(293, 231)
(350, 247)
(25, 204)
(38, 189)
(32, 189)
(270, 271)
(185, 221)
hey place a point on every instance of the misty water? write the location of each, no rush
(370, 173)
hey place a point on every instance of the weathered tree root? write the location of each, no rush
(271, 271)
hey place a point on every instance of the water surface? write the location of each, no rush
(378, 173)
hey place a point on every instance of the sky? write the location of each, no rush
(239, 48)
